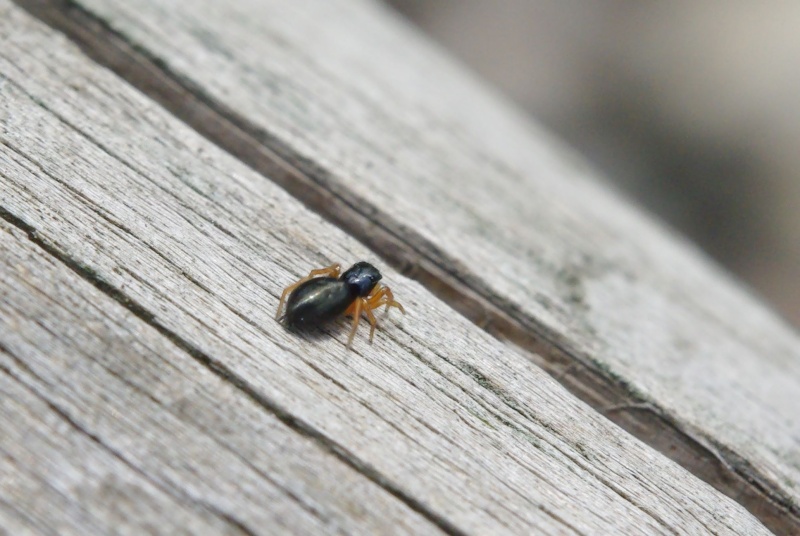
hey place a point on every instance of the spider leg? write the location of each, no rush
(379, 296)
(383, 296)
(334, 270)
(371, 317)
(356, 317)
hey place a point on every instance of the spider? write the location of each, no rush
(327, 293)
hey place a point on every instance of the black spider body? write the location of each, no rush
(327, 293)
(322, 299)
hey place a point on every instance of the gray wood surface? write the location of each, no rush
(377, 130)
(108, 427)
(146, 386)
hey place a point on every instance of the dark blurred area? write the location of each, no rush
(691, 107)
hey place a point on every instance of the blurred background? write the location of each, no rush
(691, 107)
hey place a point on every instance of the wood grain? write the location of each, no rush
(109, 427)
(374, 128)
(141, 269)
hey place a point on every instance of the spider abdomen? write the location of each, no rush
(317, 301)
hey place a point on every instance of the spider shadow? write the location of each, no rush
(332, 329)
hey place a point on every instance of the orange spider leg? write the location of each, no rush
(383, 296)
(334, 270)
(356, 317)
(379, 296)
(372, 322)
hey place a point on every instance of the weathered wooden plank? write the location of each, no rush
(58, 478)
(196, 248)
(109, 427)
(375, 129)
